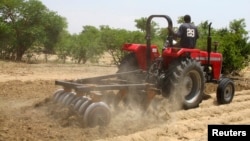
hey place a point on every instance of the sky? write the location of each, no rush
(122, 13)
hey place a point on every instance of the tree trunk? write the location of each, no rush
(79, 60)
(46, 58)
(19, 54)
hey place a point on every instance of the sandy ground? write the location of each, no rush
(27, 114)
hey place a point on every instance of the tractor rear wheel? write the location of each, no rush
(225, 91)
(186, 83)
(129, 63)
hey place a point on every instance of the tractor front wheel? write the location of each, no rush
(225, 91)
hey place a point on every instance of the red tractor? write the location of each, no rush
(177, 71)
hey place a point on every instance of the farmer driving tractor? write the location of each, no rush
(187, 33)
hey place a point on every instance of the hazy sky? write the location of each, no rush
(122, 13)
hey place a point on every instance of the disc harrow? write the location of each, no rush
(84, 97)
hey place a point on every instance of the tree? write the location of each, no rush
(53, 26)
(112, 40)
(237, 27)
(87, 45)
(234, 46)
(180, 20)
(141, 24)
(25, 19)
(6, 38)
(65, 44)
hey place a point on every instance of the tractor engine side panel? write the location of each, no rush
(215, 62)
(141, 53)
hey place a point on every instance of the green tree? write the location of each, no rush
(53, 26)
(87, 45)
(112, 40)
(141, 25)
(6, 39)
(233, 44)
(25, 19)
(65, 45)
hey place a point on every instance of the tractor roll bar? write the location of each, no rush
(148, 34)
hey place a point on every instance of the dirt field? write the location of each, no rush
(25, 109)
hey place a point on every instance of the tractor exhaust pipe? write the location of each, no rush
(209, 49)
(209, 44)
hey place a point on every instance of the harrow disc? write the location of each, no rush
(97, 114)
(79, 102)
(71, 97)
(63, 100)
(57, 94)
(67, 98)
(74, 101)
(84, 106)
(61, 97)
